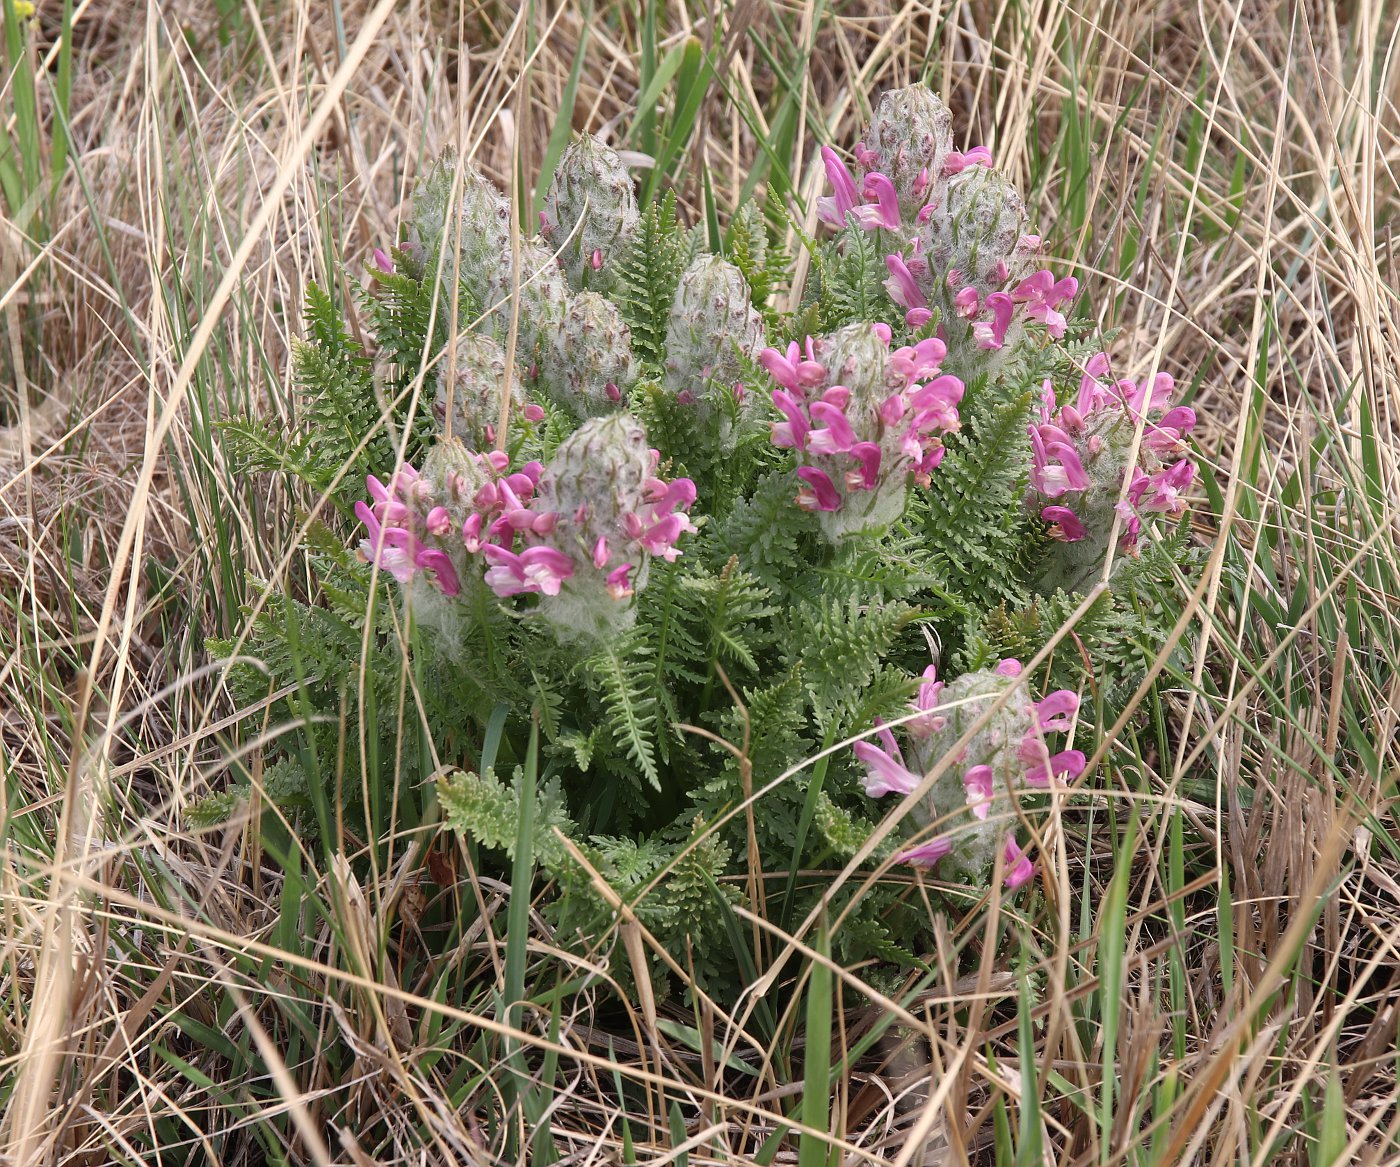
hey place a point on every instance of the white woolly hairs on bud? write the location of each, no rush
(590, 213)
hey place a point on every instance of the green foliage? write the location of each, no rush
(971, 519)
(341, 432)
(849, 276)
(486, 811)
(648, 273)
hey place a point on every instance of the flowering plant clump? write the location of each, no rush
(691, 481)
(1005, 753)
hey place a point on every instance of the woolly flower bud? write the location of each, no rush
(590, 212)
(480, 232)
(598, 516)
(589, 363)
(863, 421)
(1007, 754)
(469, 390)
(1080, 462)
(975, 231)
(476, 223)
(909, 139)
(713, 328)
(544, 301)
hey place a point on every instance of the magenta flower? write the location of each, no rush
(832, 209)
(796, 370)
(904, 291)
(991, 334)
(817, 492)
(1000, 739)
(886, 772)
(1079, 459)
(956, 163)
(403, 523)
(1019, 869)
(536, 569)
(926, 854)
(979, 782)
(884, 210)
(1056, 466)
(1042, 295)
(1064, 524)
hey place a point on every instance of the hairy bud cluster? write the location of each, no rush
(467, 401)
(1007, 754)
(590, 213)
(572, 342)
(713, 333)
(1081, 461)
(590, 358)
(863, 422)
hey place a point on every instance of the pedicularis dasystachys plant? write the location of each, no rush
(706, 491)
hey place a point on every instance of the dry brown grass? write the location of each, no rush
(169, 289)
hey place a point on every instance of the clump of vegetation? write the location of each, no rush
(693, 542)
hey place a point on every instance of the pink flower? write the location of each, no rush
(926, 854)
(1019, 869)
(618, 584)
(956, 163)
(968, 303)
(930, 692)
(901, 286)
(836, 436)
(1168, 435)
(1162, 492)
(390, 547)
(991, 334)
(1053, 710)
(868, 455)
(1065, 766)
(886, 772)
(1043, 295)
(1056, 467)
(1064, 524)
(978, 782)
(793, 370)
(444, 574)
(536, 569)
(382, 260)
(832, 209)
(885, 210)
(817, 492)
(1132, 527)
(1140, 400)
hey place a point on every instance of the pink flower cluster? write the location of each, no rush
(1079, 455)
(594, 515)
(406, 528)
(989, 300)
(1008, 753)
(876, 202)
(533, 549)
(862, 419)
